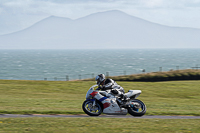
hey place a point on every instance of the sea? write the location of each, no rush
(82, 64)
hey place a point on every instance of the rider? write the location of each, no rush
(109, 84)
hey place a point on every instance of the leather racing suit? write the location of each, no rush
(110, 84)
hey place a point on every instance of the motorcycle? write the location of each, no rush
(98, 102)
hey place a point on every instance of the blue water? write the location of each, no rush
(81, 64)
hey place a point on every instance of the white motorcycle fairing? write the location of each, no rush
(114, 108)
(110, 105)
(132, 93)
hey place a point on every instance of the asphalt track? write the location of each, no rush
(101, 116)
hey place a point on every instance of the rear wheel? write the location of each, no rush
(137, 107)
(91, 110)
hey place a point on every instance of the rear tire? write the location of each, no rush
(137, 110)
(91, 110)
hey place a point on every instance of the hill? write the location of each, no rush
(111, 29)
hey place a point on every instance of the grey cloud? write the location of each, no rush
(78, 1)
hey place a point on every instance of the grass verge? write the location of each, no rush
(97, 125)
(61, 97)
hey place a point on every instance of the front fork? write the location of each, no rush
(94, 103)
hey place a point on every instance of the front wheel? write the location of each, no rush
(91, 110)
(137, 107)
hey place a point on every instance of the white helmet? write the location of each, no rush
(100, 78)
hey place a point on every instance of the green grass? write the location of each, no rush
(99, 125)
(62, 97)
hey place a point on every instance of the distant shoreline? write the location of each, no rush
(173, 75)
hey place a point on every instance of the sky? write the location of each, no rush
(19, 14)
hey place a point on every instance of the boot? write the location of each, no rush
(123, 98)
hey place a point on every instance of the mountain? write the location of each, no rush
(110, 29)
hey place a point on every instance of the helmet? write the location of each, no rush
(100, 78)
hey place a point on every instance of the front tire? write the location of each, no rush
(137, 108)
(91, 110)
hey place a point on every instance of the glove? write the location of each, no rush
(98, 88)
(114, 91)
